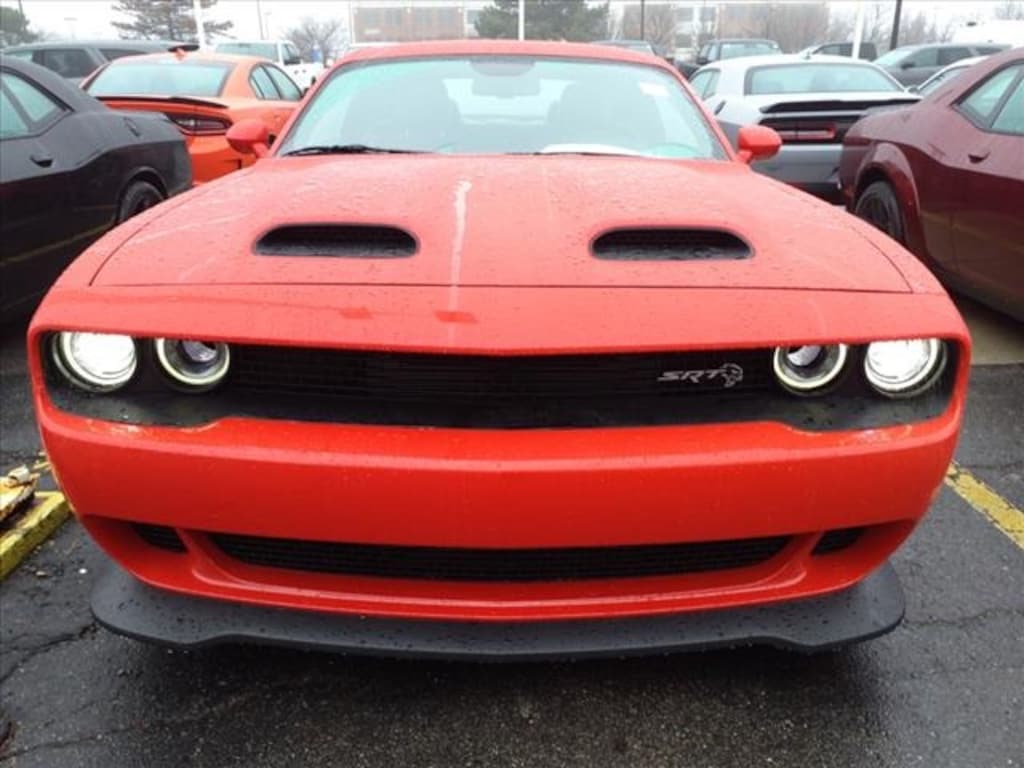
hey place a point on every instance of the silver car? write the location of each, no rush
(810, 101)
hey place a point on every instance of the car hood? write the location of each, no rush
(499, 221)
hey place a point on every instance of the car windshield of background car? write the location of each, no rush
(506, 104)
(817, 78)
(130, 77)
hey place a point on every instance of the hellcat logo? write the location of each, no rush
(729, 375)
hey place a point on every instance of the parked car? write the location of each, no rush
(634, 45)
(70, 169)
(810, 102)
(77, 59)
(913, 64)
(524, 409)
(946, 179)
(946, 74)
(281, 52)
(868, 50)
(731, 48)
(204, 94)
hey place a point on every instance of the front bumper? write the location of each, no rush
(868, 609)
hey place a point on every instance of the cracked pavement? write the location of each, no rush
(945, 689)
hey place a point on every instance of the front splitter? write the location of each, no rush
(870, 608)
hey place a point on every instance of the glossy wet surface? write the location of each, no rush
(944, 689)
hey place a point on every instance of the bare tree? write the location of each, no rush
(659, 24)
(310, 35)
(793, 25)
(922, 29)
(1011, 10)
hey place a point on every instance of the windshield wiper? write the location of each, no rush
(350, 149)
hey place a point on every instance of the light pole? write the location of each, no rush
(259, 17)
(643, 35)
(895, 39)
(522, 19)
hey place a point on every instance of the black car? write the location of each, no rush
(77, 59)
(913, 64)
(729, 48)
(70, 169)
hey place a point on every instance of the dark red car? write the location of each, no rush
(945, 177)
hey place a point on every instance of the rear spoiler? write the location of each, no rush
(196, 102)
(836, 105)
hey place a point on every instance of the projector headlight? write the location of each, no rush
(905, 367)
(811, 367)
(196, 364)
(98, 362)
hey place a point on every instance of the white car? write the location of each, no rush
(281, 52)
(946, 74)
(810, 101)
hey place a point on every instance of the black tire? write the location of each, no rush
(138, 196)
(879, 206)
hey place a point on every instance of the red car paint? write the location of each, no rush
(503, 269)
(960, 186)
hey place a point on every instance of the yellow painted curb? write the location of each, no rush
(1001, 513)
(48, 511)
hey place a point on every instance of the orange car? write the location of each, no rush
(204, 94)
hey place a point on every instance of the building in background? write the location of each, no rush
(398, 21)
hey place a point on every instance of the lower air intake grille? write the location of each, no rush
(518, 565)
(837, 540)
(160, 536)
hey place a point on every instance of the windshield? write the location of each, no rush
(508, 104)
(262, 50)
(893, 57)
(749, 48)
(810, 77)
(131, 77)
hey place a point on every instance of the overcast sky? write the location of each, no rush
(91, 18)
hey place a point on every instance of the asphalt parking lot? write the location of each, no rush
(944, 689)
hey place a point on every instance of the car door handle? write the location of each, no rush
(978, 155)
(41, 159)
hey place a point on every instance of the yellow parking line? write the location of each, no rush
(48, 511)
(1002, 514)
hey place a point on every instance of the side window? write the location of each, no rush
(262, 84)
(981, 104)
(926, 57)
(988, 50)
(37, 107)
(832, 50)
(68, 62)
(291, 54)
(13, 123)
(23, 55)
(1011, 117)
(705, 51)
(286, 87)
(700, 81)
(949, 55)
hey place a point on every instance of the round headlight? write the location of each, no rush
(903, 367)
(194, 363)
(99, 362)
(810, 367)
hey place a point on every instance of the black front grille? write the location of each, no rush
(457, 379)
(490, 565)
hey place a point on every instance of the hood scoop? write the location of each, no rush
(670, 245)
(347, 241)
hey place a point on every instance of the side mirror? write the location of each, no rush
(757, 142)
(914, 89)
(906, 64)
(250, 137)
(702, 60)
(291, 61)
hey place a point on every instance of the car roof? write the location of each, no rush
(141, 45)
(747, 62)
(481, 47)
(190, 56)
(71, 95)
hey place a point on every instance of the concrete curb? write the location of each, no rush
(49, 509)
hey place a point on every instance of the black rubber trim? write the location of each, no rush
(871, 608)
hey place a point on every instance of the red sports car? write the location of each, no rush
(946, 178)
(440, 375)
